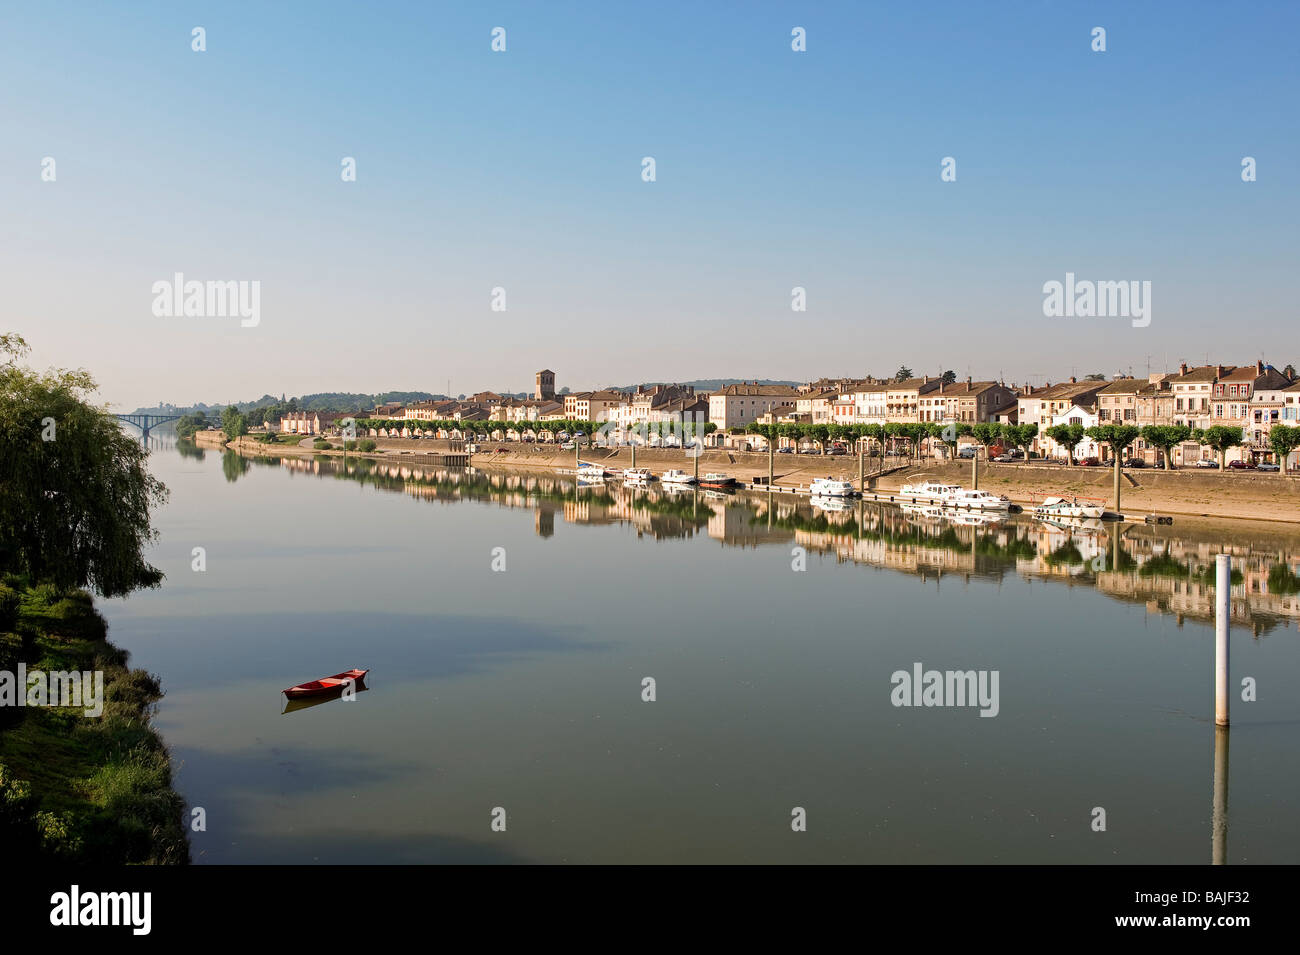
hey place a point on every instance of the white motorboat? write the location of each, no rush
(974, 518)
(676, 476)
(935, 492)
(832, 504)
(827, 487)
(638, 475)
(717, 479)
(965, 500)
(931, 512)
(1068, 507)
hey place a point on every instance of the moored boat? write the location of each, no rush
(677, 476)
(638, 475)
(828, 487)
(977, 501)
(1068, 507)
(325, 685)
(717, 479)
(929, 491)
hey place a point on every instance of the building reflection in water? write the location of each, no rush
(1169, 569)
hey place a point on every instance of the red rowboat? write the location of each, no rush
(325, 685)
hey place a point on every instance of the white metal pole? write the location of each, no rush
(1222, 626)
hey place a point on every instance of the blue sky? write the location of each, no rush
(522, 169)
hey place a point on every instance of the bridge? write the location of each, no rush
(146, 422)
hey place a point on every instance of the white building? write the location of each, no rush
(1087, 448)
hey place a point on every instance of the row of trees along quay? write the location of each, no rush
(75, 502)
(1283, 439)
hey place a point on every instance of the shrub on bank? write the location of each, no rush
(79, 789)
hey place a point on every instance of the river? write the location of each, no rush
(510, 622)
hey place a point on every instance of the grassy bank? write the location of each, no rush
(73, 787)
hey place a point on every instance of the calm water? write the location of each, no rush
(522, 689)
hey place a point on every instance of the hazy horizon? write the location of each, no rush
(522, 170)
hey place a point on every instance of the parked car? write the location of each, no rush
(1004, 459)
(1135, 463)
(1240, 466)
(967, 452)
(809, 451)
(1268, 467)
(1089, 463)
(567, 446)
(1207, 463)
(839, 450)
(785, 450)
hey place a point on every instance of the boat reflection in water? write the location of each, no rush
(303, 702)
(1169, 569)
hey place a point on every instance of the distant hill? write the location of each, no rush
(706, 384)
(321, 401)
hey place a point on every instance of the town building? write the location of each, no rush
(967, 402)
(736, 406)
(903, 398)
(594, 405)
(545, 388)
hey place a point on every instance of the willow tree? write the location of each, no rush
(75, 489)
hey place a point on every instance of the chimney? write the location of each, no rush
(968, 381)
(1074, 380)
(1259, 367)
(1218, 371)
(940, 386)
(1182, 368)
(927, 379)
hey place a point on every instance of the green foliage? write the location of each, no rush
(986, 433)
(1166, 437)
(1069, 436)
(234, 466)
(233, 424)
(1283, 439)
(1118, 436)
(189, 423)
(74, 510)
(1221, 438)
(1282, 580)
(1021, 435)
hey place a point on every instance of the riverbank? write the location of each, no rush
(1189, 492)
(75, 787)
